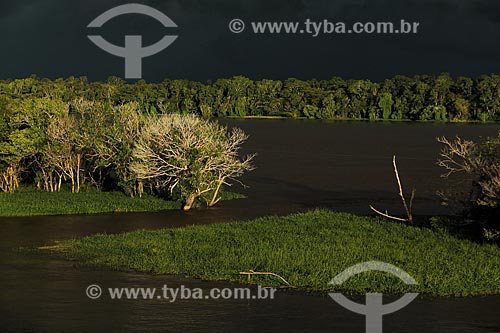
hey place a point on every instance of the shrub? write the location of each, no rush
(188, 157)
(480, 164)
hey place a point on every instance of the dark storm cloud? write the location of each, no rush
(489, 9)
(11, 8)
(48, 37)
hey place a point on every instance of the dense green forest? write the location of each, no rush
(423, 97)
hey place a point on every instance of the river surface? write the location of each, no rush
(345, 166)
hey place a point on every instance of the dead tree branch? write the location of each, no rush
(251, 272)
(408, 208)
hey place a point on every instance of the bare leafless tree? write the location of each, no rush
(191, 155)
(482, 170)
(9, 178)
(459, 156)
(61, 154)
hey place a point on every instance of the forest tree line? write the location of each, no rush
(422, 97)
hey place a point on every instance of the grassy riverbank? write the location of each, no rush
(306, 249)
(29, 202)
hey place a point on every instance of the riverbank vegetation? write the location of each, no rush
(28, 201)
(421, 97)
(307, 249)
(477, 165)
(48, 143)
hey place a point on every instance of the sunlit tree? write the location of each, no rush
(189, 157)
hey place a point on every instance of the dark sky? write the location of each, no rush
(48, 38)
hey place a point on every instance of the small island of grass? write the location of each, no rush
(307, 249)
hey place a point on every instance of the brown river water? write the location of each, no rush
(345, 166)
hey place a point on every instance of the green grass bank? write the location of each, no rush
(29, 202)
(307, 249)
